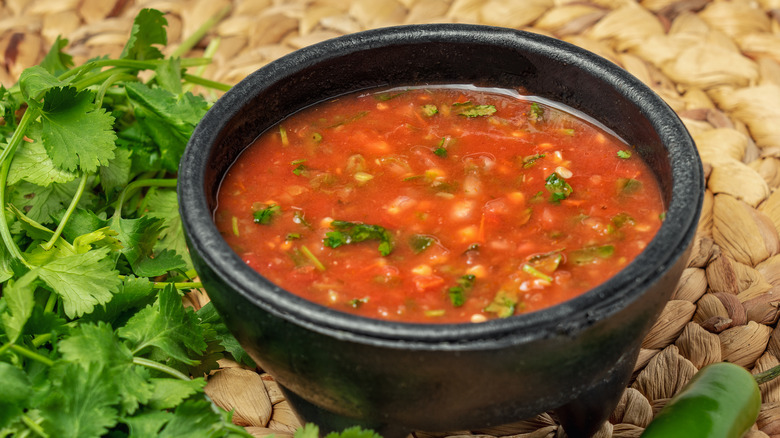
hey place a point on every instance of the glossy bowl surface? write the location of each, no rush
(339, 369)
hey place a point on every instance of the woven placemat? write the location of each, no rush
(717, 64)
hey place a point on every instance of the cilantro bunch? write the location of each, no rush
(94, 338)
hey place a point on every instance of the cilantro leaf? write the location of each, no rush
(56, 61)
(166, 325)
(148, 30)
(263, 216)
(81, 280)
(17, 392)
(82, 222)
(310, 430)
(197, 418)
(33, 164)
(97, 344)
(138, 237)
(208, 316)
(19, 300)
(164, 205)
(34, 82)
(167, 119)
(81, 402)
(353, 232)
(116, 174)
(168, 393)
(161, 263)
(624, 154)
(558, 187)
(134, 293)
(148, 423)
(75, 133)
(43, 204)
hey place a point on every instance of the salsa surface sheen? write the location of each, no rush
(438, 204)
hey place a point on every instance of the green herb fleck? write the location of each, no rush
(298, 218)
(357, 302)
(353, 232)
(457, 293)
(530, 160)
(299, 166)
(440, 152)
(662, 216)
(628, 186)
(536, 113)
(420, 242)
(312, 258)
(503, 305)
(624, 154)
(590, 254)
(622, 219)
(263, 216)
(430, 110)
(469, 110)
(558, 187)
(528, 269)
(234, 224)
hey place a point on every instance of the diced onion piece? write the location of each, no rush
(462, 210)
(478, 271)
(563, 172)
(363, 177)
(478, 317)
(468, 233)
(422, 270)
(472, 185)
(400, 204)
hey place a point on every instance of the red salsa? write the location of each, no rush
(438, 204)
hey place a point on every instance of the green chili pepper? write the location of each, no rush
(721, 401)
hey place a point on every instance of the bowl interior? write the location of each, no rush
(431, 54)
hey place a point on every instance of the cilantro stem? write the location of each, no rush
(35, 427)
(5, 232)
(32, 355)
(206, 82)
(133, 64)
(199, 33)
(50, 303)
(160, 367)
(71, 208)
(101, 94)
(41, 339)
(183, 285)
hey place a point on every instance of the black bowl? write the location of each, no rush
(339, 369)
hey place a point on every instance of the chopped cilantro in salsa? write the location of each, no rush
(457, 293)
(264, 215)
(353, 232)
(558, 187)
